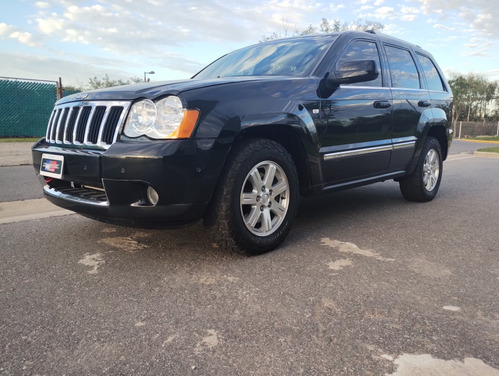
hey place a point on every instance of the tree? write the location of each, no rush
(325, 27)
(96, 83)
(474, 98)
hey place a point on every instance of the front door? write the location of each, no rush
(355, 126)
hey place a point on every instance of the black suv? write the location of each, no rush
(239, 143)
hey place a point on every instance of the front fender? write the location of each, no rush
(297, 133)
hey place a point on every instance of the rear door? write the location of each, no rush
(410, 101)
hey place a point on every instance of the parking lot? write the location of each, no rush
(366, 284)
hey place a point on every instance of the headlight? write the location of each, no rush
(141, 118)
(166, 118)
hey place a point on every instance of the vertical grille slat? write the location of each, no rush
(95, 124)
(53, 130)
(86, 123)
(51, 124)
(82, 124)
(68, 134)
(110, 126)
(62, 125)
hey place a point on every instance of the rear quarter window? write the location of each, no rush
(434, 80)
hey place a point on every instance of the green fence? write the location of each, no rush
(25, 107)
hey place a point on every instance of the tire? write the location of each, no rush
(423, 184)
(256, 200)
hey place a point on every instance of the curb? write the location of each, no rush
(476, 141)
(485, 154)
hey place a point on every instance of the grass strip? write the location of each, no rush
(484, 138)
(493, 149)
(19, 139)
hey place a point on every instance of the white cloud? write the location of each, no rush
(42, 4)
(13, 32)
(50, 25)
(472, 51)
(485, 24)
(384, 12)
(440, 26)
(6, 30)
(410, 10)
(481, 15)
(336, 8)
(180, 36)
(211, 20)
(23, 37)
(409, 17)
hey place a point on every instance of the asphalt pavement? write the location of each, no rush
(366, 284)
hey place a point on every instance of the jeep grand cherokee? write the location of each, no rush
(238, 143)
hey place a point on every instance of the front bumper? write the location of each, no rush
(112, 185)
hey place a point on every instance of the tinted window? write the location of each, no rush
(431, 74)
(362, 50)
(403, 70)
(281, 57)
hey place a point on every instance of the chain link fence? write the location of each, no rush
(466, 129)
(25, 106)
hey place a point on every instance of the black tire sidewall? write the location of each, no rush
(252, 243)
(430, 144)
(412, 187)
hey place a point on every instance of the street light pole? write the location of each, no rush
(145, 73)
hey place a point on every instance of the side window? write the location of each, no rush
(362, 50)
(404, 73)
(431, 74)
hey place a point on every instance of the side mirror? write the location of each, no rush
(349, 73)
(354, 71)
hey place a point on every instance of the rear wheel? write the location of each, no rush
(256, 200)
(423, 184)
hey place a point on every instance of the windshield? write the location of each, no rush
(292, 57)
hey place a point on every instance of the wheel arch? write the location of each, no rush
(288, 137)
(439, 133)
(433, 123)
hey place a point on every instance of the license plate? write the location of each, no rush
(52, 165)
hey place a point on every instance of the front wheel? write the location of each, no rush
(424, 183)
(256, 200)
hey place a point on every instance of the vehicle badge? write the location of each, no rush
(82, 96)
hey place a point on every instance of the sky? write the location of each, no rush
(80, 39)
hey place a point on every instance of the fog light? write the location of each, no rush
(153, 196)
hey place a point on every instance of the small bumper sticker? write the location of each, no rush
(52, 165)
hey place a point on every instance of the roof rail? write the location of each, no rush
(370, 31)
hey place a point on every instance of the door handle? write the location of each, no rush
(424, 103)
(381, 104)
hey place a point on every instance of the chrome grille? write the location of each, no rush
(87, 124)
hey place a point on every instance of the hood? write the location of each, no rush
(154, 89)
